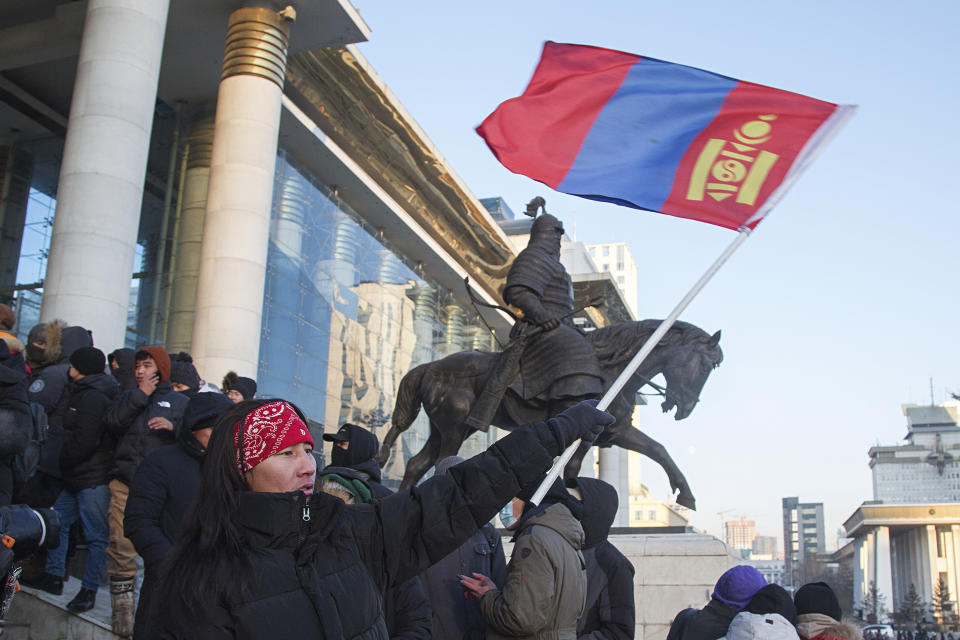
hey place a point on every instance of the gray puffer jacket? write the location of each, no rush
(546, 584)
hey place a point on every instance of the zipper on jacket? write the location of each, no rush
(306, 513)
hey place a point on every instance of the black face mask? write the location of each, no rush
(35, 353)
(339, 457)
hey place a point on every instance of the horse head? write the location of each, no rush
(686, 367)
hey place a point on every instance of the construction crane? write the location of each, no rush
(720, 514)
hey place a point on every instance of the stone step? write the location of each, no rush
(47, 616)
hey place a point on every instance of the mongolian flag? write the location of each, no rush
(649, 134)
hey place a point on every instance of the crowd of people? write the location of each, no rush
(744, 607)
(218, 495)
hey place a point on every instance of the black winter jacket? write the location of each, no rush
(709, 623)
(13, 399)
(456, 617)
(609, 613)
(318, 566)
(161, 494)
(127, 419)
(86, 456)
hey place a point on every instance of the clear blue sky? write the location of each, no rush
(844, 302)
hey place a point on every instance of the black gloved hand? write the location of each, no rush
(581, 421)
(550, 324)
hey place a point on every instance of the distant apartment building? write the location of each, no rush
(803, 537)
(926, 467)
(740, 533)
(764, 548)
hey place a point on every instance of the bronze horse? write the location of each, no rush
(446, 388)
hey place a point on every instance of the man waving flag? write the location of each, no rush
(649, 134)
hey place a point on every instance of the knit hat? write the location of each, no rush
(817, 597)
(160, 357)
(203, 410)
(773, 599)
(247, 387)
(183, 371)
(737, 585)
(88, 360)
(268, 429)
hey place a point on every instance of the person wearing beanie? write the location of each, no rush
(545, 586)
(85, 461)
(731, 594)
(239, 388)
(454, 616)
(768, 616)
(610, 609)
(142, 419)
(184, 377)
(819, 616)
(164, 486)
(263, 556)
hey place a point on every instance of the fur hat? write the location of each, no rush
(88, 360)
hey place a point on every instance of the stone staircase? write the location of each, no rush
(38, 615)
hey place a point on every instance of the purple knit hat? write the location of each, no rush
(736, 586)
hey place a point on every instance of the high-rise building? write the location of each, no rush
(740, 533)
(926, 468)
(617, 260)
(803, 537)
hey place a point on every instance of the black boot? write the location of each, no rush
(83, 601)
(46, 582)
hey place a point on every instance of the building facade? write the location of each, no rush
(803, 537)
(926, 467)
(740, 533)
(279, 215)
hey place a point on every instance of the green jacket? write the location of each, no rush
(546, 584)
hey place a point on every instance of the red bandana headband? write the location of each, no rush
(268, 429)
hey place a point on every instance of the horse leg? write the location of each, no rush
(388, 441)
(422, 460)
(636, 440)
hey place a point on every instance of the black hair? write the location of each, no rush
(208, 565)
(141, 355)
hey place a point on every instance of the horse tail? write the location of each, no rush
(409, 398)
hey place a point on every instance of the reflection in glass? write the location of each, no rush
(345, 317)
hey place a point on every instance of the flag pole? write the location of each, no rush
(641, 355)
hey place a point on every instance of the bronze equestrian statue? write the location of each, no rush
(448, 388)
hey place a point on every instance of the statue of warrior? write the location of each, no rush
(556, 363)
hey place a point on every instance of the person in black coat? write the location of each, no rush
(265, 557)
(609, 613)
(164, 487)
(407, 609)
(143, 420)
(15, 419)
(86, 457)
(731, 594)
(454, 616)
(121, 368)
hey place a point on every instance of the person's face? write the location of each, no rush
(292, 469)
(203, 435)
(143, 369)
(343, 444)
(179, 386)
(235, 395)
(114, 365)
(73, 373)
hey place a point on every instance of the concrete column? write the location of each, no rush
(192, 210)
(613, 470)
(16, 174)
(236, 230)
(104, 159)
(883, 571)
(860, 568)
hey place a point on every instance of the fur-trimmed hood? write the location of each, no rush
(820, 626)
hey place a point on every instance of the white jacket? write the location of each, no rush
(760, 626)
